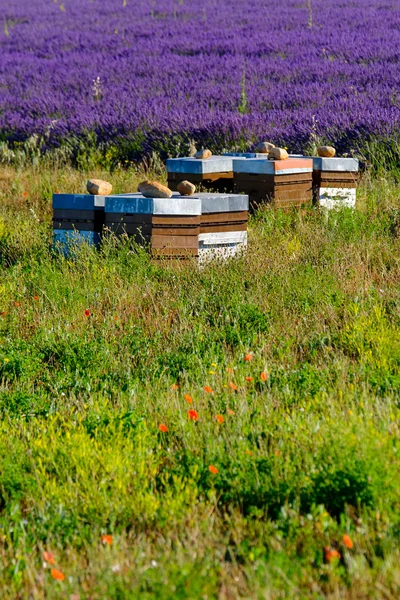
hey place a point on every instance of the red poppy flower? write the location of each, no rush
(174, 386)
(263, 376)
(229, 370)
(249, 378)
(208, 389)
(107, 539)
(233, 386)
(230, 411)
(188, 398)
(163, 428)
(220, 419)
(56, 574)
(49, 557)
(248, 357)
(25, 194)
(347, 541)
(193, 415)
(17, 303)
(36, 297)
(3, 313)
(87, 313)
(331, 554)
(213, 469)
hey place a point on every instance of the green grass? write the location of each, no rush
(303, 458)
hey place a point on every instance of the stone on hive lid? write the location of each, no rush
(98, 187)
(326, 151)
(264, 147)
(153, 189)
(278, 154)
(201, 154)
(185, 188)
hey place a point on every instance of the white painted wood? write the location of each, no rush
(337, 197)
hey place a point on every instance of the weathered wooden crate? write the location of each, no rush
(280, 183)
(77, 219)
(335, 182)
(214, 173)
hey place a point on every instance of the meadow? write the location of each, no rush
(225, 433)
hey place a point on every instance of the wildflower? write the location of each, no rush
(208, 389)
(213, 364)
(331, 554)
(248, 357)
(277, 452)
(233, 386)
(230, 411)
(211, 372)
(220, 419)
(193, 415)
(58, 192)
(188, 398)
(36, 297)
(249, 378)
(163, 428)
(263, 376)
(25, 194)
(49, 557)
(347, 541)
(107, 539)
(56, 574)
(174, 386)
(229, 370)
(213, 469)
(87, 313)
(17, 304)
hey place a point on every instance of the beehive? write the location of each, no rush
(214, 173)
(169, 227)
(77, 218)
(335, 181)
(223, 229)
(280, 183)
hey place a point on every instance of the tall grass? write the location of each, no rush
(97, 352)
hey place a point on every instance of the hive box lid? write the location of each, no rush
(78, 202)
(273, 167)
(214, 203)
(138, 204)
(214, 164)
(335, 164)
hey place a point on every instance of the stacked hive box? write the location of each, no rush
(223, 229)
(214, 173)
(169, 227)
(335, 181)
(281, 183)
(77, 218)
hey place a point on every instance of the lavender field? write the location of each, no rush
(151, 75)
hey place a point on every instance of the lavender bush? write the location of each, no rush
(142, 75)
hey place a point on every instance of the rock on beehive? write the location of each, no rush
(185, 188)
(264, 147)
(278, 154)
(203, 154)
(153, 189)
(98, 187)
(326, 151)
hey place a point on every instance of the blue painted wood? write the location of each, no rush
(78, 202)
(68, 241)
